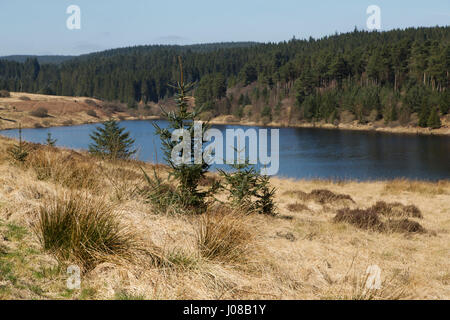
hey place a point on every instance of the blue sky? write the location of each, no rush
(39, 27)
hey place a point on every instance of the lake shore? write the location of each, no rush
(69, 111)
(299, 254)
(354, 126)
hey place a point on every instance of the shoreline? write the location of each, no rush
(217, 121)
(344, 127)
(72, 111)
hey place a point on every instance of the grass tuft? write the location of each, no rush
(396, 209)
(70, 170)
(224, 235)
(84, 230)
(369, 219)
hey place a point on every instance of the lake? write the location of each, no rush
(304, 152)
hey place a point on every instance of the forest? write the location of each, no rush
(398, 76)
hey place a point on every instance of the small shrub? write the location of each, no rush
(91, 113)
(297, 207)
(50, 141)
(321, 196)
(224, 235)
(370, 219)
(404, 225)
(163, 196)
(362, 219)
(325, 196)
(77, 228)
(40, 113)
(4, 94)
(20, 151)
(248, 190)
(396, 209)
(90, 102)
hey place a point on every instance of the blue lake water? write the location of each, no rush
(304, 153)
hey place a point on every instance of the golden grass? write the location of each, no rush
(224, 255)
(85, 230)
(224, 235)
(423, 187)
(21, 108)
(68, 168)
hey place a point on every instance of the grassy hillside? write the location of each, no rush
(315, 248)
(38, 110)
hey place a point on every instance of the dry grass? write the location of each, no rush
(396, 209)
(431, 188)
(370, 220)
(26, 108)
(66, 168)
(364, 219)
(297, 207)
(224, 235)
(222, 255)
(321, 196)
(75, 227)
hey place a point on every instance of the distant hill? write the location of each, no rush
(41, 59)
(400, 76)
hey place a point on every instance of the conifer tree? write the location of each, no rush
(187, 175)
(434, 122)
(50, 141)
(112, 142)
(19, 152)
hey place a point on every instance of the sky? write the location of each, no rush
(39, 27)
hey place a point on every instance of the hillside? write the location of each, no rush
(38, 110)
(41, 59)
(396, 78)
(303, 253)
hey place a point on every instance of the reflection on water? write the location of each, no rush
(304, 153)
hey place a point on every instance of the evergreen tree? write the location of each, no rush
(434, 122)
(50, 141)
(188, 175)
(19, 152)
(112, 142)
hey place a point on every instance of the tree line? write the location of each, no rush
(370, 75)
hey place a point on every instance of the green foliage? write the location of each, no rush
(211, 88)
(163, 196)
(20, 151)
(363, 67)
(267, 113)
(434, 122)
(244, 100)
(112, 142)
(80, 229)
(50, 141)
(189, 175)
(248, 190)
